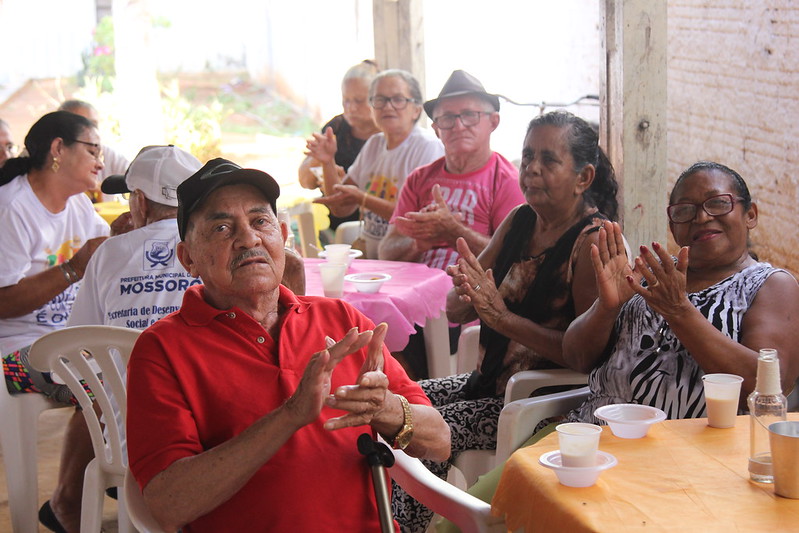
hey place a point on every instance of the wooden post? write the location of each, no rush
(633, 113)
(399, 36)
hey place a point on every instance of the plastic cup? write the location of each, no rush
(578, 443)
(784, 440)
(722, 392)
(338, 253)
(333, 279)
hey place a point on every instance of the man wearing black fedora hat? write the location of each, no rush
(467, 193)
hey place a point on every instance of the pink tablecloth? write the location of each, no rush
(414, 293)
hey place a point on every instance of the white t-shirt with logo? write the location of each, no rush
(381, 172)
(32, 240)
(133, 279)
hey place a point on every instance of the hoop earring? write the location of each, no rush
(55, 166)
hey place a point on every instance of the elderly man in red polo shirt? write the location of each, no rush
(243, 411)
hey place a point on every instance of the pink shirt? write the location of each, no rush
(484, 197)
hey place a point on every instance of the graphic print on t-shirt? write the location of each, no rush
(64, 253)
(385, 188)
(56, 311)
(460, 200)
(158, 254)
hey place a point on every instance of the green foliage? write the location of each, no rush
(255, 108)
(93, 91)
(194, 127)
(98, 60)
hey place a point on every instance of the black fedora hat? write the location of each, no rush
(459, 83)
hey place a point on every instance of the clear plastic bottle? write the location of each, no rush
(767, 405)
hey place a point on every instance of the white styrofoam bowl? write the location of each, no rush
(368, 282)
(577, 476)
(629, 420)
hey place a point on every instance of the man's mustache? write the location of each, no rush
(249, 254)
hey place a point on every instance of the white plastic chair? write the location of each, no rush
(469, 513)
(471, 464)
(520, 417)
(79, 353)
(347, 232)
(19, 422)
(468, 350)
(137, 509)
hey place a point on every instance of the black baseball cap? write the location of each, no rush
(217, 173)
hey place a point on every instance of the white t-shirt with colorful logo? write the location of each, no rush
(133, 279)
(32, 240)
(382, 172)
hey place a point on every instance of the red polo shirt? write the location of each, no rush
(202, 375)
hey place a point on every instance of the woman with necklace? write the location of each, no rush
(50, 232)
(708, 310)
(534, 277)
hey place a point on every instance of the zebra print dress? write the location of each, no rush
(649, 365)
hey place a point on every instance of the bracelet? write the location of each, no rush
(363, 202)
(69, 272)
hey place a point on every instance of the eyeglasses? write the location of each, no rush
(352, 102)
(397, 102)
(99, 155)
(11, 148)
(714, 206)
(468, 118)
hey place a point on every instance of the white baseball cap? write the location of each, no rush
(157, 171)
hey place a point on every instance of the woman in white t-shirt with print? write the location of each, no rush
(50, 230)
(375, 178)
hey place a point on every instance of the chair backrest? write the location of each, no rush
(469, 513)
(137, 510)
(519, 418)
(77, 355)
(523, 384)
(468, 350)
(347, 232)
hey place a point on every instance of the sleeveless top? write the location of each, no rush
(648, 365)
(538, 288)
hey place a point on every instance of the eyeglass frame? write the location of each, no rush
(696, 207)
(387, 99)
(460, 116)
(98, 146)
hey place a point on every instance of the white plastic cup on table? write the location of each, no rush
(722, 394)
(578, 443)
(333, 279)
(284, 216)
(338, 253)
(784, 441)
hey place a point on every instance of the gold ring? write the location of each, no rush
(477, 287)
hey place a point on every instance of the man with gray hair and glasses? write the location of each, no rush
(467, 193)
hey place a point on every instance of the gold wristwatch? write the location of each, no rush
(405, 434)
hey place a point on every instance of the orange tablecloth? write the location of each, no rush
(684, 476)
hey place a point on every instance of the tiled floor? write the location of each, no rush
(51, 432)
